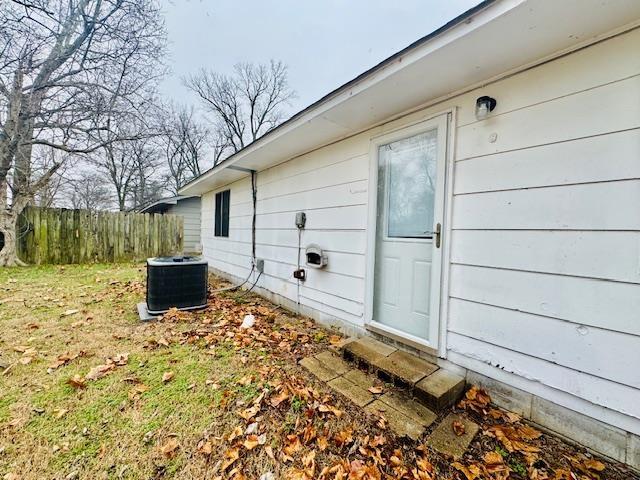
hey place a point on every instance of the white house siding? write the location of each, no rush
(190, 210)
(330, 185)
(544, 238)
(545, 247)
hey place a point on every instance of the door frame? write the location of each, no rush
(438, 302)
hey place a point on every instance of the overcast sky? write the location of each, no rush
(325, 43)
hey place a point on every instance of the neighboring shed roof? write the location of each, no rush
(163, 203)
(493, 39)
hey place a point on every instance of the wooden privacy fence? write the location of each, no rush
(58, 235)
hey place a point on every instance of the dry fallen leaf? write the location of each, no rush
(527, 432)
(231, 456)
(376, 390)
(471, 472)
(205, 447)
(251, 442)
(593, 464)
(236, 432)
(137, 390)
(322, 408)
(322, 443)
(281, 397)
(167, 376)
(493, 458)
(269, 451)
(494, 463)
(458, 428)
(586, 465)
(476, 399)
(64, 359)
(251, 429)
(99, 371)
(249, 413)
(77, 381)
(562, 474)
(344, 437)
(509, 417)
(60, 412)
(169, 448)
(293, 444)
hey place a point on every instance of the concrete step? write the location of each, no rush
(434, 387)
(406, 416)
(402, 409)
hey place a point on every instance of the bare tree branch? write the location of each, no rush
(184, 142)
(247, 104)
(71, 72)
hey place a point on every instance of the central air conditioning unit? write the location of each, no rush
(179, 282)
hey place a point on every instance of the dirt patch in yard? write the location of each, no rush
(87, 391)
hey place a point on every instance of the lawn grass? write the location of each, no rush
(102, 431)
(175, 403)
(50, 429)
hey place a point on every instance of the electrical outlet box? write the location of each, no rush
(260, 265)
(301, 219)
(300, 274)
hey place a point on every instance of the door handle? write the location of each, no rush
(436, 234)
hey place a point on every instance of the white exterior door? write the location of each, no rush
(410, 169)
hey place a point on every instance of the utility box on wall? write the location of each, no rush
(315, 257)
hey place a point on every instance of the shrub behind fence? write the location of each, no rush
(59, 236)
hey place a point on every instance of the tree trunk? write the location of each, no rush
(22, 159)
(8, 254)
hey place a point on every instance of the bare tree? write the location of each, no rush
(88, 191)
(185, 142)
(43, 159)
(59, 59)
(248, 103)
(147, 190)
(128, 165)
(146, 184)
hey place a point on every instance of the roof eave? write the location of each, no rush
(191, 188)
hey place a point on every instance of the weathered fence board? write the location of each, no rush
(59, 236)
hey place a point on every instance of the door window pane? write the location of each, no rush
(408, 170)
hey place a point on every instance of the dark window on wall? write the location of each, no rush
(222, 214)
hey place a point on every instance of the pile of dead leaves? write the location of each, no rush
(222, 322)
(175, 315)
(475, 399)
(519, 451)
(319, 430)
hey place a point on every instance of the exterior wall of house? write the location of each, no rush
(544, 233)
(330, 185)
(190, 210)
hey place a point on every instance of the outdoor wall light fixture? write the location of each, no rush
(484, 105)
